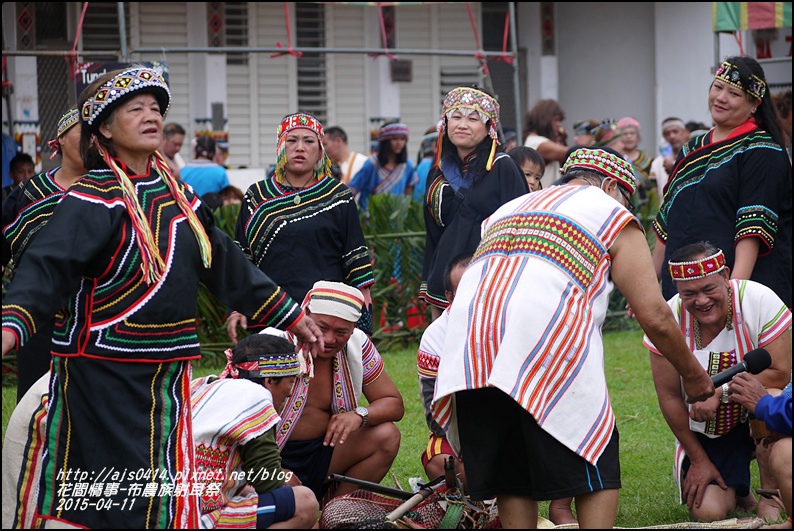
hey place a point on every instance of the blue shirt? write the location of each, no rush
(10, 149)
(368, 181)
(204, 176)
(422, 169)
(775, 411)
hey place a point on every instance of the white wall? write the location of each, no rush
(347, 95)
(166, 24)
(649, 60)
(275, 79)
(606, 65)
(684, 59)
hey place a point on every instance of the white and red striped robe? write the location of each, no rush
(227, 414)
(528, 313)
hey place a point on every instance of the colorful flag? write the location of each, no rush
(734, 16)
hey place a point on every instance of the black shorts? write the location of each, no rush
(506, 452)
(731, 455)
(309, 460)
(275, 506)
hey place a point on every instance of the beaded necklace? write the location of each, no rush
(297, 199)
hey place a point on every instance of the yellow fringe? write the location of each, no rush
(489, 164)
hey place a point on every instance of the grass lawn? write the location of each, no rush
(648, 496)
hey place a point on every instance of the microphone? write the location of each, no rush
(754, 362)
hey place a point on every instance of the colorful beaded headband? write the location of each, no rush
(336, 299)
(276, 365)
(128, 82)
(67, 121)
(474, 100)
(390, 130)
(730, 74)
(300, 121)
(604, 163)
(697, 268)
(606, 132)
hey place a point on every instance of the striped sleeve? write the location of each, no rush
(372, 362)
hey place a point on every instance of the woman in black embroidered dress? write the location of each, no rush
(301, 225)
(732, 185)
(469, 182)
(127, 248)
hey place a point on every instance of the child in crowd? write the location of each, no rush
(531, 165)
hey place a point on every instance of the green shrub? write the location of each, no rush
(395, 232)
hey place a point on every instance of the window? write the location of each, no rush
(101, 29)
(52, 73)
(312, 79)
(502, 78)
(236, 31)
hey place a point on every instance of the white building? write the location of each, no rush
(599, 60)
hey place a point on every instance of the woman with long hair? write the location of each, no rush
(390, 170)
(542, 127)
(470, 180)
(732, 185)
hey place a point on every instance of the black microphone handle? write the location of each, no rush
(728, 374)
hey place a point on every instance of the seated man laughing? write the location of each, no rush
(325, 429)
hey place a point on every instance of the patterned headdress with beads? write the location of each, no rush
(276, 365)
(471, 100)
(605, 163)
(730, 74)
(300, 121)
(694, 269)
(96, 110)
(606, 132)
(107, 97)
(69, 119)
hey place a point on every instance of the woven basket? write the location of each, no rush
(363, 509)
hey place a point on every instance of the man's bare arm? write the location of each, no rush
(633, 273)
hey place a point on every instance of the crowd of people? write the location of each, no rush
(524, 246)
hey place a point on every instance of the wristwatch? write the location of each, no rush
(364, 412)
(724, 398)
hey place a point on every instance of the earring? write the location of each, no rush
(753, 111)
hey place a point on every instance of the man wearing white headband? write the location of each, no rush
(325, 428)
(676, 135)
(721, 320)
